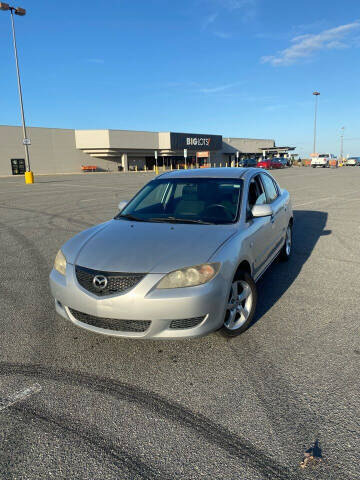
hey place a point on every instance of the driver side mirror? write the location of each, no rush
(262, 210)
(122, 205)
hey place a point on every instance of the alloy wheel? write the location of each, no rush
(288, 241)
(239, 305)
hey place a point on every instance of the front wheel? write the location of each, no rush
(241, 305)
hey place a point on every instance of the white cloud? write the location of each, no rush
(306, 45)
(223, 35)
(219, 88)
(245, 8)
(237, 4)
(209, 20)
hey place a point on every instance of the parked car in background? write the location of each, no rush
(353, 162)
(181, 259)
(270, 163)
(284, 162)
(248, 162)
(322, 160)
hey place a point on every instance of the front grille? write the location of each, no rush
(186, 322)
(116, 282)
(111, 323)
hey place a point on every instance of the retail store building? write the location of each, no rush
(56, 150)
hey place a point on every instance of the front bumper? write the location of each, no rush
(143, 303)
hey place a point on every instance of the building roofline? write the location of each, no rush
(30, 126)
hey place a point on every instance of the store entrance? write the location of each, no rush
(18, 166)
(203, 159)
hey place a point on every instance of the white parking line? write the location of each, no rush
(333, 197)
(95, 187)
(59, 187)
(315, 201)
(20, 396)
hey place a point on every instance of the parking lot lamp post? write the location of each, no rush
(29, 176)
(316, 94)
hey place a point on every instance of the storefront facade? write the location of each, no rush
(55, 150)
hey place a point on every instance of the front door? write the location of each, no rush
(278, 217)
(18, 166)
(260, 229)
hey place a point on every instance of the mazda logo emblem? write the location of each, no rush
(100, 282)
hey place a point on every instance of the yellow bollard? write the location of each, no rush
(171, 167)
(178, 167)
(29, 177)
(145, 168)
(220, 164)
(135, 168)
(163, 168)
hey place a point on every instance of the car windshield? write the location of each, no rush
(186, 200)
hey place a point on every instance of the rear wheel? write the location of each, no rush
(241, 305)
(286, 250)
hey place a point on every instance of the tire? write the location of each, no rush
(239, 314)
(313, 166)
(286, 250)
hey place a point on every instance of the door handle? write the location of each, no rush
(272, 218)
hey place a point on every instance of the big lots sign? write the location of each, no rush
(193, 141)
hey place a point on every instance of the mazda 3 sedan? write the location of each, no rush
(181, 259)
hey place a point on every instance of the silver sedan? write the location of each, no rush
(181, 259)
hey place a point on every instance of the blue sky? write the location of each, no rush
(244, 68)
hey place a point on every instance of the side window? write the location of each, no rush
(256, 194)
(270, 188)
(153, 198)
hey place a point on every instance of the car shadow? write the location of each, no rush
(308, 227)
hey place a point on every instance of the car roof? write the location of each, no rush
(224, 172)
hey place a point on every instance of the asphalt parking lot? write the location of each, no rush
(77, 405)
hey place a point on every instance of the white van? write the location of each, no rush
(322, 160)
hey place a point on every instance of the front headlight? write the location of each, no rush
(190, 276)
(60, 263)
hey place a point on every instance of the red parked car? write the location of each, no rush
(270, 163)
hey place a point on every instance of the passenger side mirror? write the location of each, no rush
(262, 210)
(122, 205)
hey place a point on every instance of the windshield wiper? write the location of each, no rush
(178, 220)
(131, 217)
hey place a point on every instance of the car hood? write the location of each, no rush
(143, 247)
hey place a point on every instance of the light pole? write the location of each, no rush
(316, 106)
(342, 144)
(29, 176)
